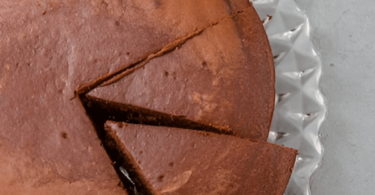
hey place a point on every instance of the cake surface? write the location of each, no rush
(47, 143)
(51, 47)
(181, 161)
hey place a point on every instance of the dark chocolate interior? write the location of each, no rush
(99, 111)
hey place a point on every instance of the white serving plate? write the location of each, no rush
(300, 107)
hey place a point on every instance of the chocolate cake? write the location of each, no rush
(68, 66)
(181, 161)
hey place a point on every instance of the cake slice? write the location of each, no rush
(167, 160)
(224, 77)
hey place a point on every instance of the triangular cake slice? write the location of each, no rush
(181, 161)
(223, 77)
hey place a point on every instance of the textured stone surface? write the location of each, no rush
(342, 32)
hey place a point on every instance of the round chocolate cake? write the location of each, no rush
(203, 69)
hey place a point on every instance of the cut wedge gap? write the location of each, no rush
(101, 110)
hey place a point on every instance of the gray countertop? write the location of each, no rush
(343, 32)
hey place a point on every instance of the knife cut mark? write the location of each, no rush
(128, 69)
